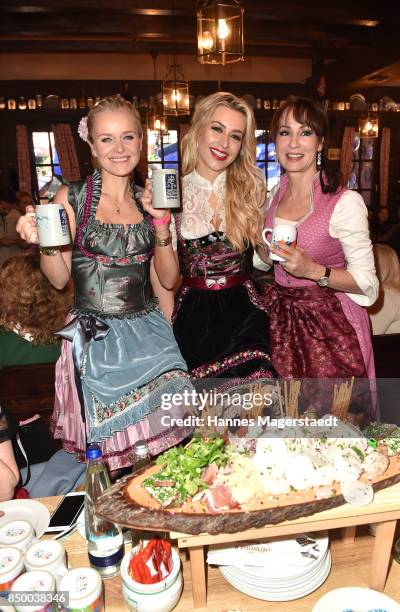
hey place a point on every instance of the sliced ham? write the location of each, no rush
(219, 499)
(209, 473)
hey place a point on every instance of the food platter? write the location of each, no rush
(128, 503)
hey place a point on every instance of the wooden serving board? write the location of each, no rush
(128, 503)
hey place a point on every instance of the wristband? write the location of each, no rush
(163, 221)
(49, 251)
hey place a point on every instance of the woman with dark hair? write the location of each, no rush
(318, 321)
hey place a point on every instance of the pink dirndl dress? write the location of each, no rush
(318, 333)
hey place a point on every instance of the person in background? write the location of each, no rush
(31, 311)
(125, 356)
(9, 473)
(381, 225)
(24, 199)
(319, 324)
(10, 242)
(219, 322)
(385, 313)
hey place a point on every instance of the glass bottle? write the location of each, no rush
(104, 539)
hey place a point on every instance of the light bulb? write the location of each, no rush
(223, 30)
(176, 96)
(207, 42)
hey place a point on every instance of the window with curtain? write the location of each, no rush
(162, 150)
(362, 177)
(45, 160)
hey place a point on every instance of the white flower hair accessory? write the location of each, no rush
(83, 129)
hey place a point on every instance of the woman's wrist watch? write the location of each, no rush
(324, 280)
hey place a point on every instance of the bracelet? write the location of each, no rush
(163, 242)
(49, 251)
(163, 221)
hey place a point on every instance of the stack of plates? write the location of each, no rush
(286, 576)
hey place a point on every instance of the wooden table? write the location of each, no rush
(384, 511)
(350, 559)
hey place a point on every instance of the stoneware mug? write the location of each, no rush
(283, 234)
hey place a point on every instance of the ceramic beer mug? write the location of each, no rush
(165, 188)
(283, 234)
(52, 225)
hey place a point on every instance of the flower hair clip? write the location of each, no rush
(83, 129)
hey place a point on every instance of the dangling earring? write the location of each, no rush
(319, 160)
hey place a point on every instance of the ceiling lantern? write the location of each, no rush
(220, 32)
(175, 91)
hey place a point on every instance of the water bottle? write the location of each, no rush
(141, 459)
(105, 542)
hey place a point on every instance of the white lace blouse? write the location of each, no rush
(197, 212)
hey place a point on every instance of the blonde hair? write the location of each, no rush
(112, 103)
(245, 184)
(387, 266)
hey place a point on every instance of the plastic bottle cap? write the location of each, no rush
(93, 452)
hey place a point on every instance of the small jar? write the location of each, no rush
(64, 103)
(22, 103)
(31, 103)
(11, 566)
(33, 584)
(73, 103)
(258, 104)
(84, 588)
(17, 533)
(267, 104)
(39, 100)
(3, 103)
(82, 102)
(48, 555)
(11, 104)
(275, 103)
(89, 102)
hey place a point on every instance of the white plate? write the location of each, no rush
(283, 594)
(357, 598)
(27, 510)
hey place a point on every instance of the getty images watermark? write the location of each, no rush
(206, 400)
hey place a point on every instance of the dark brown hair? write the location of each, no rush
(28, 302)
(306, 112)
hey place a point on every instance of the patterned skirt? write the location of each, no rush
(124, 380)
(312, 340)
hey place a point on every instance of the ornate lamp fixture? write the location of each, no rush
(220, 32)
(369, 127)
(156, 119)
(175, 92)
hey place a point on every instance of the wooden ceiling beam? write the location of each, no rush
(359, 64)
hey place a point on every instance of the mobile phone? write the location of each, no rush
(67, 511)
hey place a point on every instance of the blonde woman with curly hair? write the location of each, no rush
(385, 313)
(219, 322)
(31, 311)
(124, 357)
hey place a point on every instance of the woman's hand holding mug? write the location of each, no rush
(283, 235)
(26, 226)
